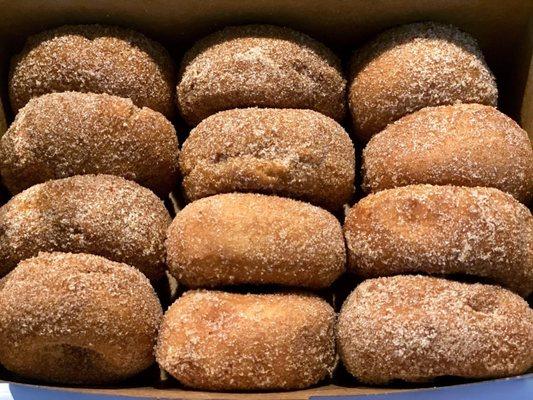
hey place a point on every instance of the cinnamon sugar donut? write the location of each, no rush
(259, 65)
(64, 134)
(414, 66)
(77, 319)
(294, 153)
(232, 239)
(442, 230)
(416, 328)
(97, 214)
(96, 59)
(222, 341)
(463, 144)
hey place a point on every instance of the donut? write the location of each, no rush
(63, 134)
(294, 153)
(96, 214)
(259, 65)
(414, 66)
(215, 340)
(236, 238)
(481, 232)
(417, 328)
(462, 144)
(77, 319)
(94, 59)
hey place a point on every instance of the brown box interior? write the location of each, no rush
(504, 30)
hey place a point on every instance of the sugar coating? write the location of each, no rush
(97, 214)
(442, 230)
(63, 134)
(231, 239)
(294, 153)
(416, 328)
(463, 144)
(77, 319)
(413, 66)
(222, 341)
(259, 65)
(96, 59)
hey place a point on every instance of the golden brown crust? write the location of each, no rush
(259, 65)
(77, 319)
(463, 144)
(414, 66)
(442, 230)
(294, 153)
(416, 328)
(64, 134)
(96, 214)
(233, 238)
(222, 341)
(95, 59)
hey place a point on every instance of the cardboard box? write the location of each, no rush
(504, 30)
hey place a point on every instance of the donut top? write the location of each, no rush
(246, 323)
(71, 133)
(434, 226)
(266, 225)
(54, 293)
(286, 147)
(414, 66)
(425, 134)
(266, 132)
(260, 65)
(94, 58)
(429, 321)
(81, 213)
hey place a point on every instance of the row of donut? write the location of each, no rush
(403, 70)
(82, 319)
(235, 239)
(292, 153)
(400, 71)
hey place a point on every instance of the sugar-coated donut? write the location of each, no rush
(294, 153)
(259, 65)
(231, 239)
(416, 328)
(77, 319)
(463, 144)
(96, 214)
(442, 230)
(223, 341)
(414, 66)
(64, 134)
(95, 59)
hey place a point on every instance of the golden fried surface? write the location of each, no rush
(294, 153)
(442, 230)
(417, 328)
(414, 66)
(231, 239)
(94, 59)
(77, 319)
(64, 134)
(259, 65)
(222, 341)
(96, 214)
